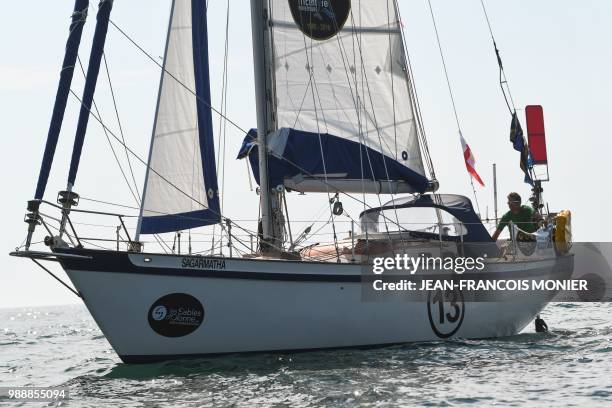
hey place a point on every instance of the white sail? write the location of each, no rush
(340, 68)
(181, 187)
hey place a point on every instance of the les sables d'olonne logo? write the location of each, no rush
(176, 315)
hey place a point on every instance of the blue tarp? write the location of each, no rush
(302, 155)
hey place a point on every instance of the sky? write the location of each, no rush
(556, 54)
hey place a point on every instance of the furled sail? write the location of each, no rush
(63, 91)
(181, 184)
(93, 69)
(340, 69)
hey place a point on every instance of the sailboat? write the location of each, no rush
(337, 115)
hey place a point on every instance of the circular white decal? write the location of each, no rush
(159, 313)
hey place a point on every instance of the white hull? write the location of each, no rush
(286, 306)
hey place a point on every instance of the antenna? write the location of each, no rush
(495, 192)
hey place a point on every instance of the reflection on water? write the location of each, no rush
(570, 365)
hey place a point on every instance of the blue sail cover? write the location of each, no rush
(296, 153)
(63, 90)
(181, 190)
(93, 69)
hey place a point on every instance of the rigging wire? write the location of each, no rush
(149, 167)
(353, 85)
(414, 97)
(355, 98)
(503, 80)
(127, 156)
(136, 155)
(448, 83)
(137, 194)
(207, 104)
(98, 119)
(150, 57)
(314, 102)
(359, 106)
(366, 205)
(222, 137)
(110, 144)
(450, 89)
(365, 81)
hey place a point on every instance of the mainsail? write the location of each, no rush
(340, 69)
(181, 184)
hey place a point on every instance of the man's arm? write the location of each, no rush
(535, 217)
(505, 219)
(496, 234)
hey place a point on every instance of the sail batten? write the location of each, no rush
(181, 184)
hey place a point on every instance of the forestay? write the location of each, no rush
(341, 69)
(181, 184)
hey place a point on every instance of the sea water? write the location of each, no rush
(569, 366)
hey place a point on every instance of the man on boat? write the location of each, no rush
(523, 216)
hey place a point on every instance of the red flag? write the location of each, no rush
(470, 161)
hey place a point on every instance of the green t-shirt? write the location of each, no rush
(523, 220)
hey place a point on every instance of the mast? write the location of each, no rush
(264, 92)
